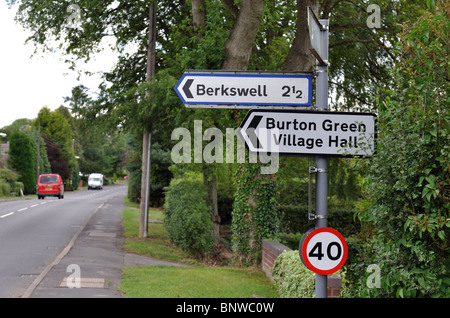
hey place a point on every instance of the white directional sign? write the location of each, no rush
(309, 133)
(245, 90)
(324, 251)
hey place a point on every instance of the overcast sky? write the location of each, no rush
(29, 83)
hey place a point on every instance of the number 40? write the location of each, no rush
(316, 251)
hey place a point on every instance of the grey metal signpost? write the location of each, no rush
(318, 32)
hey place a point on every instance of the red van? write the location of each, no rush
(50, 185)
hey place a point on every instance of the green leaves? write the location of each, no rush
(430, 188)
(187, 220)
(409, 175)
(254, 211)
(22, 158)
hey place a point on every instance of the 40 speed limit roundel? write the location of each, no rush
(323, 250)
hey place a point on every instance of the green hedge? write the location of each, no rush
(293, 279)
(5, 188)
(187, 217)
(9, 183)
(294, 219)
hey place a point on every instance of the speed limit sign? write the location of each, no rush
(323, 250)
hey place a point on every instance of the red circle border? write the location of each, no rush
(338, 266)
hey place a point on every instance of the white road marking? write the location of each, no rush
(22, 209)
(8, 214)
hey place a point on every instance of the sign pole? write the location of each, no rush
(322, 161)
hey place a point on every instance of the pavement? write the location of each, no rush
(90, 266)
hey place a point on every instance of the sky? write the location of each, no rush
(29, 83)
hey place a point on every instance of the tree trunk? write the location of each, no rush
(198, 17)
(210, 184)
(238, 49)
(299, 57)
(239, 45)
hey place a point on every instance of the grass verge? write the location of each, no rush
(156, 244)
(196, 281)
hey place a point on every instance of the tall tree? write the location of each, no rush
(22, 159)
(58, 136)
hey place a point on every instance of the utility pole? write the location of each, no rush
(146, 142)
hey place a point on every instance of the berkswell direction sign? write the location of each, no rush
(219, 89)
(300, 133)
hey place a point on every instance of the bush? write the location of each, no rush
(290, 240)
(5, 188)
(409, 181)
(134, 186)
(292, 278)
(294, 219)
(17, 187)
(187, 217)
(8, 182)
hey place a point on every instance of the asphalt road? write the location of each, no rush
(34, 232)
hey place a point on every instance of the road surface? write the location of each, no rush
(34, 232)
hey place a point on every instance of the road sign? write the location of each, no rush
(319, 47)
(244, 90)
(324, 251)
(301, 133)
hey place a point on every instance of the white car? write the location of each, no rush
(95, 181)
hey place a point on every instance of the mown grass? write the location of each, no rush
(156, 244)
(196, 281)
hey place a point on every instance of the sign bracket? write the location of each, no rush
(317, 170)
(313, 216)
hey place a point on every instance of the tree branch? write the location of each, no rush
(234, 10)
(350, 93)
(239, 44)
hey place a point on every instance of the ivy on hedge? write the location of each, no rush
(254, 212)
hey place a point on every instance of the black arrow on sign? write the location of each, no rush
(251, 131)
(186, 87)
